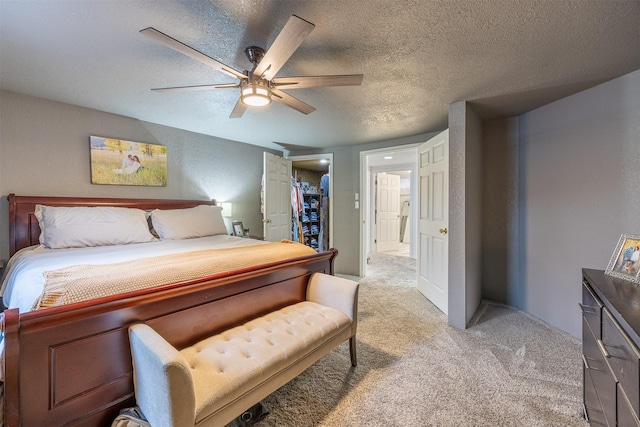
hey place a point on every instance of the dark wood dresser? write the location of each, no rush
(610, 349)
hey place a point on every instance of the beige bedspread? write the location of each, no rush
(85, 282)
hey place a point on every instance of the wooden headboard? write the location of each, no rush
(24, 229)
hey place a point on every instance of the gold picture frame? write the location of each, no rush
(625, 260)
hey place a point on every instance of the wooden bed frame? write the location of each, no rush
(71, 365)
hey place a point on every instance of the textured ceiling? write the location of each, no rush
(417, 57)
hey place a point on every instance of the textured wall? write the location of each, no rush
(561, 185)
(44, 150)
(500, 210)
(465, 213)
(580, 174)
(473, 209)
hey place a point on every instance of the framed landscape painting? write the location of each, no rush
(625, 260)
(122, 162)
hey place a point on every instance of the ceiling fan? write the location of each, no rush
(259, 86)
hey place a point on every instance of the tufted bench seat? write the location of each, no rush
(213, 381)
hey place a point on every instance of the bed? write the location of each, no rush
(69, 363)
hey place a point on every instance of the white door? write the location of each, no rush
(433, 217)
(277, 198)
(387, 212)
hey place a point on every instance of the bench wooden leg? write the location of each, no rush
(352, 350)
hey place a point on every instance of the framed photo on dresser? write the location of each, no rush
(625, 260)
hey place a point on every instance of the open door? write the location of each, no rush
(387, 212)
(276, 216)
(433, 218)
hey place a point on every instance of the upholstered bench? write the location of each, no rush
(216, 379)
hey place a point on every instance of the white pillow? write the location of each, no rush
(76, 227)
(200, 221)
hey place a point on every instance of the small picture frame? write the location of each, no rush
(625, 260)
(238, 229)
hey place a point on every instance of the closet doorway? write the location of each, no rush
(313, 173)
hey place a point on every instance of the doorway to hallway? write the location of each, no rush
(387, 210)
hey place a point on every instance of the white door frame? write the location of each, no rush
(366, 187)
(329, 157)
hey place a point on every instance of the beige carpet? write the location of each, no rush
(506, 369)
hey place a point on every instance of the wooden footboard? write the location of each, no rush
(71, 365)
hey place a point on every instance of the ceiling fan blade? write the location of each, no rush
(288, 100)
(317, 81)
(193, 88)
(178, 46)
(238, 110)
(291, 36)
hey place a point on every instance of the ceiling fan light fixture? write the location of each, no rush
(255, 93)
(257, 86)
